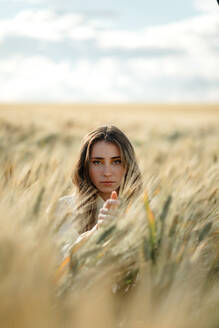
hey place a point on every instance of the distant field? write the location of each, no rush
(175, 279)
(133, 118)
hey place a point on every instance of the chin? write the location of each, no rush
(107, 189)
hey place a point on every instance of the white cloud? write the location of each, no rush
(32, 79)
(31, 2)
(185, 67)
(176, 36)
(106, 80)
(206, 5)
(47, 25)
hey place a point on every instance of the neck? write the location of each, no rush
(104, 196)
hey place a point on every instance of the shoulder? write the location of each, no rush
(65, 203)
(62, 203)
(63, 209)
(65, 226)
(67, 200)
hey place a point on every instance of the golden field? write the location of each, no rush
(165, 275)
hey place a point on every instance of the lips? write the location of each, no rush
(107, 182)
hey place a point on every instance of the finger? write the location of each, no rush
(111, 203)
(114, 195)
(105, 216)
(104, 210)
(99, 223)
(102, 217)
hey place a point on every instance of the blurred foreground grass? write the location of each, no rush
(158, 266)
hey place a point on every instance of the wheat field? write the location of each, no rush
(156, 266)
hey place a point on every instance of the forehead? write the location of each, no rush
(105, 149)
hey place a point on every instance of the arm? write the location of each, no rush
(81, 240)
(105, 213)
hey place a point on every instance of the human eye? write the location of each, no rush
(96, 162)
(117, 161)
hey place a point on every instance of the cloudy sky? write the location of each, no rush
(109, 51)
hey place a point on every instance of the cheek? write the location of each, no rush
(120, 172)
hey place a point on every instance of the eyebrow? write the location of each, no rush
(103, 157)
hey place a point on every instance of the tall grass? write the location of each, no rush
(155, 265)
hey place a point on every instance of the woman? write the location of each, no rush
(106, 175)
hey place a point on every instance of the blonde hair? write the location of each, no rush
(87, 192)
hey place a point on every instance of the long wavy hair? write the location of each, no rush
(87, 193)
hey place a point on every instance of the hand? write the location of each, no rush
(107, 212)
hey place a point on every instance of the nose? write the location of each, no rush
(107, 171)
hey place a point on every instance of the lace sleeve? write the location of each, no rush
(66, 229)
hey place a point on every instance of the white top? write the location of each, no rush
(67, 232)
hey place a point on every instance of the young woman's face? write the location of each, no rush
(106, 169)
